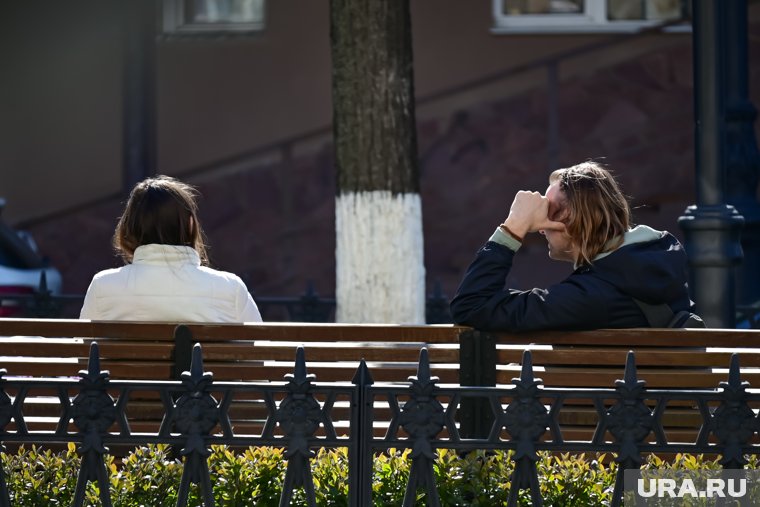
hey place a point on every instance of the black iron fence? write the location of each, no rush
(299, 416)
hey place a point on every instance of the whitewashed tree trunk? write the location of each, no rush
(380, 274)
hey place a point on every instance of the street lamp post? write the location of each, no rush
(711, 227)
(139, 108)
(741, 155)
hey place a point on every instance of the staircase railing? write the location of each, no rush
(284, 148)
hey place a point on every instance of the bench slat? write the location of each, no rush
(640, 336)
(616, 357)
(655, 378)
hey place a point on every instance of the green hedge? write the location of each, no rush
(149, 477)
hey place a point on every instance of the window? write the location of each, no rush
(213, 16)
(576, 16)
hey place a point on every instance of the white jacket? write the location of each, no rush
(167, 283)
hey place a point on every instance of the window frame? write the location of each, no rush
(592, 20)
(173, 22)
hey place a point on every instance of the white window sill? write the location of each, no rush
(590, 28)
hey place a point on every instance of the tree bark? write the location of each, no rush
(380, 273)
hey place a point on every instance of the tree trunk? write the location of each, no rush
(380, 276)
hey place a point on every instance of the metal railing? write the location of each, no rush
(308, 307)
(300, 418)
(748, 316)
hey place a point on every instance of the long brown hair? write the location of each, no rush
(160, 210)
(598, 213)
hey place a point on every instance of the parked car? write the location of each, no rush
(21, 269)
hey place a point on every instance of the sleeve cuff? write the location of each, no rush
(504, 239)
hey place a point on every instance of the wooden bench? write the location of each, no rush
(233, 352)
(152, 351)
(666, 358)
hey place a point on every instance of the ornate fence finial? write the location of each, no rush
(94, 409)
(423, 370)
(300, 377)
(734, 375)
(196, 379)
(527, 378)
(362, 376)
(630, 377)
(93, 373)
(196, 365)
(299, 416)
(733, 422)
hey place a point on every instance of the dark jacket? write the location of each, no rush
(592, 297)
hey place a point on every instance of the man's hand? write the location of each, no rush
(530, 213)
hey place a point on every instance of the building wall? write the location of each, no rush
(60, 104)
(217, 98)
(269, 214)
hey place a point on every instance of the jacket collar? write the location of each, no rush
(639, 234)
(165, 254)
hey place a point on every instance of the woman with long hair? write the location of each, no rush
(166, 275)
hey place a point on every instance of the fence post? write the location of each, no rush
(299, 415)
(477, 367)
(194, 415)
(423, 418)
(360, 455)
(525, 419)
(630, 421)
(94, 413)
(734, 423)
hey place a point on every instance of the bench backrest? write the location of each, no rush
(157, 351)
(160, 351)
(665, 358)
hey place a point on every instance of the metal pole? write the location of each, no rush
(139, 134)
(552, 106)
(742, 155)
(712, 227)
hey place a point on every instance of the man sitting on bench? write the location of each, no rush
(624, 277)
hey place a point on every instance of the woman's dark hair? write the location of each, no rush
(160, 210)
